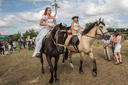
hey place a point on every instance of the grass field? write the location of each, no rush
(22, 69)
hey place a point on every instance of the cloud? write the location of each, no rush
(87, 10)
(2, 23)
(36, 0)
(90, 10)
(12, 23)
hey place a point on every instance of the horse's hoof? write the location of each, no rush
(72, 66)
(56, 80)
(51, 81)
(63, 63)
(81, 72)
(94, 74)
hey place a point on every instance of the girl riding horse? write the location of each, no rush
(86, 44)
(48, 22)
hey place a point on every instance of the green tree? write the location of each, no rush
(30, 32)
(88, 24)
(14, 37)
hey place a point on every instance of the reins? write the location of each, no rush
(56, 37)
(96, 33)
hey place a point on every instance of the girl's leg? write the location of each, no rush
(39, 40)
(120, 57)
(115, 53)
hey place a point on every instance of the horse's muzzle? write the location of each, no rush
(61, 49)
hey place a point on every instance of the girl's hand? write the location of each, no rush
(76, 30)
(49, 26)
(104, 46)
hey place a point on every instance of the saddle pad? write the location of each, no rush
(74, 40)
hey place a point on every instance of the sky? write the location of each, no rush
(21, 15)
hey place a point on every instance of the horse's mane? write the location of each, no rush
(55, 29)
(86, 30)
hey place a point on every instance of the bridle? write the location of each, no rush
(56, 37)
(102, 35)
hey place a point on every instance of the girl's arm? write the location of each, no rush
(117, 39)
(72, 25)
(106, 44)
(80, 27)
(42, 24)
(54, 20)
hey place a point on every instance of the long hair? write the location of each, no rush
(117, 33)
(46, 9)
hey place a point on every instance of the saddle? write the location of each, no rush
(74, 41)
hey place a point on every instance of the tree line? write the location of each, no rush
(32, 33)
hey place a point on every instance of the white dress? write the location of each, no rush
(42, 34)
(118, 45)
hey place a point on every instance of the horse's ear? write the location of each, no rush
(100, 19)
(60, 25)
(103, 20)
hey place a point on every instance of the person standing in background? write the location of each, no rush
(117, 49)
(106, 41)
(24, 43)
(14, 45)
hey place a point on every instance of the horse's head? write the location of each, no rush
(59, 37)
(101, 29)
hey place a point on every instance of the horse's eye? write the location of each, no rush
(101, 27)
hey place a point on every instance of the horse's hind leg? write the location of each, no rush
(81, 63)
(94, 70)
(55, 68)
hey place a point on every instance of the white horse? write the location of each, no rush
(85, 45)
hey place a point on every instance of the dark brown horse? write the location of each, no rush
(54, 46)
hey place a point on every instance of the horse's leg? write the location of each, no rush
(94, 71)
(41, 59)
(55, 68)
(65, 57)
(81, 62)
(51, 68)
(63, 60)
(42, 62)
(70, 60)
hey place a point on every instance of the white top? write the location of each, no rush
(105, 41)
(119, 42)
(14, 44)
(111, 38)
(48, 21)
(76, 26)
